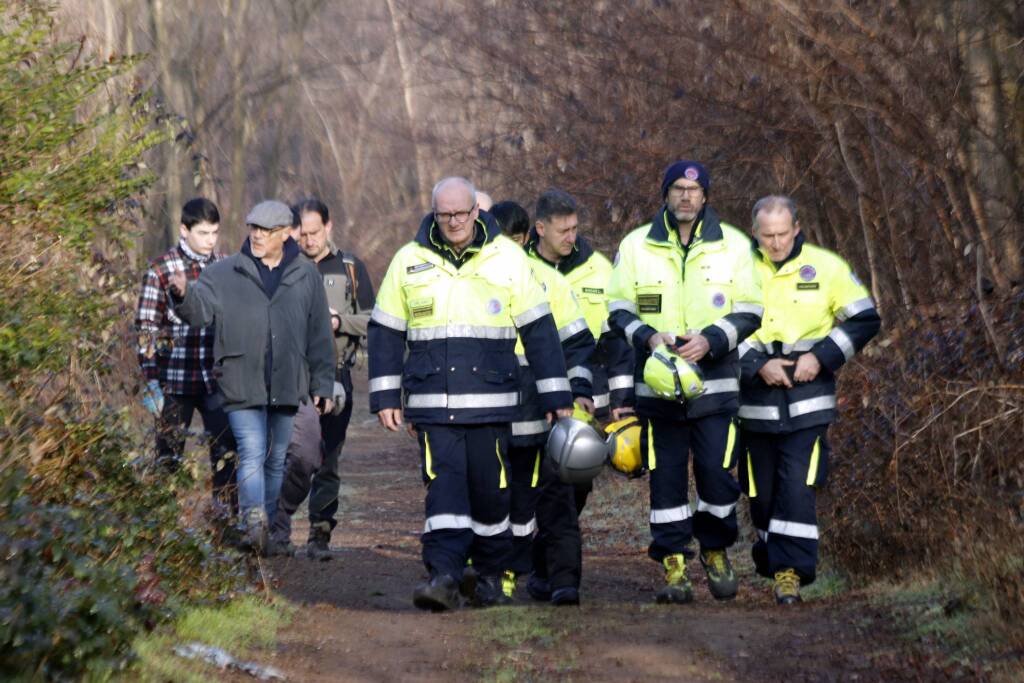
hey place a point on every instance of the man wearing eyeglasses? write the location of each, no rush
(273, 348)
(687, 280)
(456, 297)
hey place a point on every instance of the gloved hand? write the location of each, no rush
(153, 397)
(340, 396)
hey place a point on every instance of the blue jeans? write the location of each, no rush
(260, 459)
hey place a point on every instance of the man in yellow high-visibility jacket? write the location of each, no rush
(456, 298)
(541, 502)
(687, 280)
(788, 394)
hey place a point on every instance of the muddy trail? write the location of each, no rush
(356, 621)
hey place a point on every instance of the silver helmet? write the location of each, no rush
(577, 450)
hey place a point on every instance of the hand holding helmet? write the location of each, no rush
(671, 376)
(578, 451)
(624, 453)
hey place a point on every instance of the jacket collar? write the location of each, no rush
(291, 253)
(665, 228)
(189, 254)
(798, 247)
(581, 252)
(429, 236)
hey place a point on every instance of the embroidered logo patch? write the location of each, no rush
(691, 173)
(807, 273)
(419, 268)
(494, 307)
(718, 300)
(808, 285)
(330, 282)
(421, 308)
(592, 290)
(648, 303)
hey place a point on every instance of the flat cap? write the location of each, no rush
(270, 214)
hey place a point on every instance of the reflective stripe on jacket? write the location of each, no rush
(709, 287)
(459, 315)
(577, 346)
(589, 274)
(804, 297)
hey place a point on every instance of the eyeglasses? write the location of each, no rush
(267, 231)
(692, 190)
(457, 216)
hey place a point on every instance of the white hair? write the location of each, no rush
(771, 204)
(445, 182)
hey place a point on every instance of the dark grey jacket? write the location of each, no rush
(230, 295)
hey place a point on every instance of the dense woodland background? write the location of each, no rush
(895, 124)
(898, 125)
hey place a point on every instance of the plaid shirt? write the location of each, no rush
(178, 355)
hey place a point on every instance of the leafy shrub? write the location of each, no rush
(928, 474)
(94, 549)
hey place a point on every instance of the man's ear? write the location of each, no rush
(328, 227)
(183, 230)
(540, 227)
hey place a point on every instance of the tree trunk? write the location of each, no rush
(405, 67)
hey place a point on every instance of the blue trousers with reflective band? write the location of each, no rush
(466, 470)
(674, 522)
(525, 483)
(556, 551)
(780, 473)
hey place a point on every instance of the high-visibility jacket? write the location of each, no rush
(459, 316)
(708, 286)
(577, 346)
(588, 273)
(803, 298)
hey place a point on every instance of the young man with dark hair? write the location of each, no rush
(311, 466)
(177, 358)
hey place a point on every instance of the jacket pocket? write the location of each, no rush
(497, 368)
(229, 370)
(418, 368)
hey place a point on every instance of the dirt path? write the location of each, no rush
(357, 622)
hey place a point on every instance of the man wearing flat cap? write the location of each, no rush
(685, 284)
(273, 348)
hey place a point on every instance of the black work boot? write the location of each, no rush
(566, 595)
(538, 588)
(486, 592)
(278, 547)
(439, 594)
(318, 546)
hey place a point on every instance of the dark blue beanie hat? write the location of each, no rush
(691, 170)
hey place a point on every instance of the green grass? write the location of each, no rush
(246, 628)
(517, 636)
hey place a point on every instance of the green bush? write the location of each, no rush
(95, 549)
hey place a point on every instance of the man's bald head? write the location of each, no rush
(484, 200)
(452, 187)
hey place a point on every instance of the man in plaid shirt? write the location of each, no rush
(177, 359)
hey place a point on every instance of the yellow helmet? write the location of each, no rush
(583, 416)
(671, 376)
(624, 446)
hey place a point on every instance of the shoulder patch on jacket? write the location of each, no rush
(593, 290)
(419, 268)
